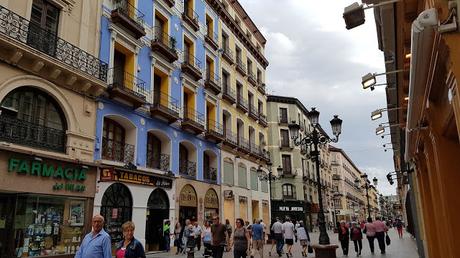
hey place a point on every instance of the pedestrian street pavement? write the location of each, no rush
(399, 248)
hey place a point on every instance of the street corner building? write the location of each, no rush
(49, 78)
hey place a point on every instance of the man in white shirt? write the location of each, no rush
(277, 228)
(197, 232)
(288, 229)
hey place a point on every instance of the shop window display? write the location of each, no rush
(46, 225)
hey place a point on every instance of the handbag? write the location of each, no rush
(310, 249)
(387, 240)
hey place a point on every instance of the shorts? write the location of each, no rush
(303, 242)
(289, 241)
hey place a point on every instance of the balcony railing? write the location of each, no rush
(242, 103)
(192, 66)
(16, 27)
(230, 138)
(165, 44)
(212, 82)
(285, 143)
(253, 112)
(243, 144)
(212, 39)
(187, 168)
(283, 119)
(129, 18)
(167, 102)
(25, 133)
(229, 94)
(228, 54)
(263, 119)
(252, 78)
(215, 127)
(261, 88)
(127, 9)
(193, 115)
(210, 174)
(133, 88)
(240, 66)
(117, 151)
(161, 163)
(191, 17)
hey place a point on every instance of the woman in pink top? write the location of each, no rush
(369, 230)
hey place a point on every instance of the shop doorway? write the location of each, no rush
(187, 204)
(255, 210)
(157, 213)
(116, 208)
(211, 204)
(7, 207)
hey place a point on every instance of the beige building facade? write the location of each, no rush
(49, 78)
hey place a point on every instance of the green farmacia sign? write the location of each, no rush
(37, 168)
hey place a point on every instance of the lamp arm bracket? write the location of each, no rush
(380, 4)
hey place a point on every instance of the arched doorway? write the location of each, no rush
(157, 213)
(116, 208)
(187, 204)
(211, 204)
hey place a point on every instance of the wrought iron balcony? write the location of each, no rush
(283, 120)
(21, 132)
(129, 18)
(214, 131)
(261, 88)
(230, 139)
(161, 162)
(212, 39)
(285, 144)
(253, 112)
(212, 82)
(23, 40)
(287, 172)
(294, 124)
(252, 78)
(192, 66)
(240, 67)
(193, 121)
(164, 45)
(210, 174)
(243, 145)
(227, 54)
(228, 94)
(117, 151)
(191, 18)
(242, 103)
(170, 3)
(166, 107)
(263, 120)
(127, 87)
(187, 168)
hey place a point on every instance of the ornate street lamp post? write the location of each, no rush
(313, 140)
(263, 176)
(366, 186)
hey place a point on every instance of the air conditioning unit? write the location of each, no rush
(228, 194)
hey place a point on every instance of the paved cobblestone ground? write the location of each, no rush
(399, 248)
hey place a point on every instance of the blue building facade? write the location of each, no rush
(157, 131)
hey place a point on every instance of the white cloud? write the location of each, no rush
(314, 58)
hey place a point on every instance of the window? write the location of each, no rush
(259, 76)
(249, 64)
(225, 41)
(153, 151)
(238, 55)
(242, 176)
(113, 141)
(33, 118)
(288, 191)
(283, 115)
(284, 134)
(43, 26)
(286, 162)
(254, 180)
(229, 177)
(225, 78)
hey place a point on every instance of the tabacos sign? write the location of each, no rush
(72, 175)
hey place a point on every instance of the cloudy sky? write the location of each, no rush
(314, 58)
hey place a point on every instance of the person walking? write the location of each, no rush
(129, 247)
(206, 237)
(278, 235)
(344, 237)
(288, 229)
(258, 237)
(241, 240)
(178, 237)
(219, 237)
(197, 231)
(357, 237)
(271, 238)
(380, 229)
(399, 227)
(369, 230)
(304, 238)
(97, 243)
(229, 229)
(166, 235)
(187, 237)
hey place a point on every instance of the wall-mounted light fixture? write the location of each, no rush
(376, 114)
(369, 79)
(354, 13)
(381, 128)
